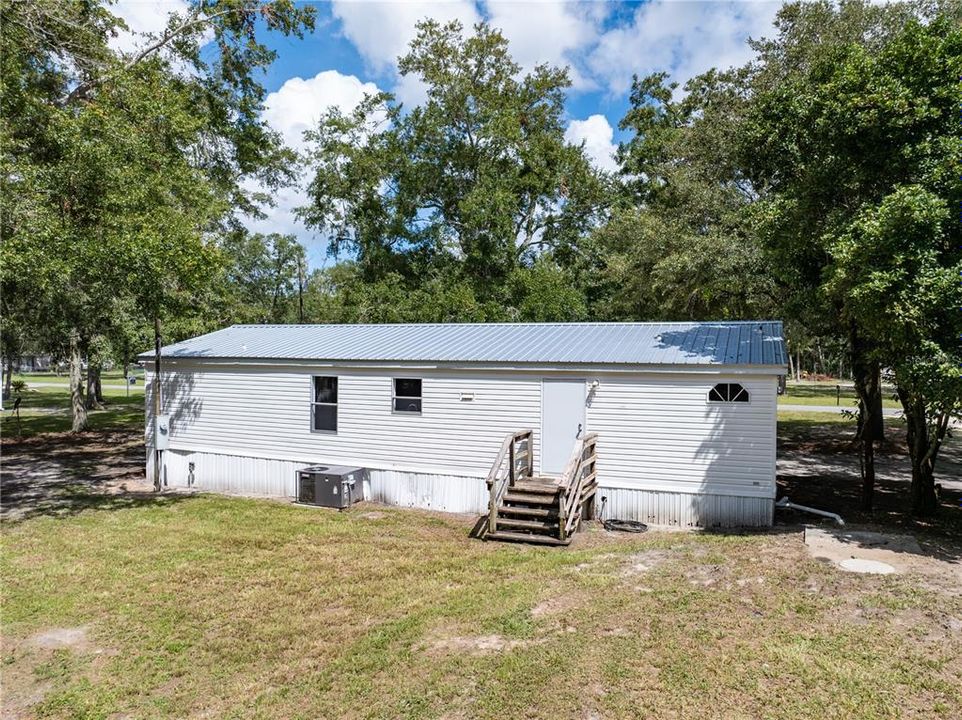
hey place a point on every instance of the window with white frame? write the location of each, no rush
(324, 405)
(728, 393)
(407, 395)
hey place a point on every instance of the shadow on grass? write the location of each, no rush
(59, 420)
(63, 473)
(67, 500)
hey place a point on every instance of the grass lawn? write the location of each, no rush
(47, 409)
(133, 605)
(825, 393)
(216, 607)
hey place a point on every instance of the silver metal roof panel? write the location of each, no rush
(668, 343)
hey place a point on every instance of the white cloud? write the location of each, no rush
(295, 107)
(547, 32)
(298, 104)
(682, 38)
(598, 136)
(142, 16)
(381, 31)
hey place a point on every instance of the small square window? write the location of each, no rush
(407, 395)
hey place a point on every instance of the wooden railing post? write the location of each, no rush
(511, 463)
(529, 443)
(562, 530)
(493, 507)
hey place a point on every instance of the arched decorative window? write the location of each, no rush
(727, 392)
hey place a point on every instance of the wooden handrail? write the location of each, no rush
(578, 474)
(500, 478)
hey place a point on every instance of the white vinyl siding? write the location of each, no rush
(659, 432)
(656, 431)
(266, 412)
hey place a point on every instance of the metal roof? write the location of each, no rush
(668, 343)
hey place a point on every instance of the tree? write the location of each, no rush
(851, 130)
(475, 183)
(264, 277)
(680, 245)
(122, 169)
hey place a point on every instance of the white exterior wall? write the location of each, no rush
(660, 433)
(266, 413)
(665, 455)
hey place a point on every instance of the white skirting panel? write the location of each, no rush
(685, 509)
(232, 474)
(448, 493)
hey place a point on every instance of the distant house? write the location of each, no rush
(681, 415)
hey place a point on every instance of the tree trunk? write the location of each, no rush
(8, 379)
(77, 405)
(300, 290)
(798, 366)
(94, 400)
(922, 491)
(791, 366)
(866, 376)
(923, 451)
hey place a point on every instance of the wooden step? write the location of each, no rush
(530, 498)
(525, 538)
(526, 486)
(528, 511)
(504, 522)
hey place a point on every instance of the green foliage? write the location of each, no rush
(473, 185)
(852, 128)
(264, 276)
(681, 246)
(120, 170)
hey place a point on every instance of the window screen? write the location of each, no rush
(324, 407)
(407, 395)
(728, 392)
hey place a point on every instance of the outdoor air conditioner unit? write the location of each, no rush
(334, 486)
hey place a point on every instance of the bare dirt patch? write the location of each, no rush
(643, 562)
(56, 638)
(555, 605)
(473, 644)
(57, 473)
(853, 549)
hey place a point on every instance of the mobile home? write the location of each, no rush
(681, 416)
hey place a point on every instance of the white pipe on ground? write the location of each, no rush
(787, 504)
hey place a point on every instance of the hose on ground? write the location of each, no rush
(615, 525)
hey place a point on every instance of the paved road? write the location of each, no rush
(886, 412)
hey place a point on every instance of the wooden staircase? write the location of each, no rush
(523, 507)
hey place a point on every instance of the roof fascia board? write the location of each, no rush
(743, 369)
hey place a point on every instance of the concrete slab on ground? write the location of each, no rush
(862, 551)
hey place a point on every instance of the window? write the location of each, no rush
(324, 407)
(728, 392)
(407, 395)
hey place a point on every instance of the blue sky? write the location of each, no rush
(355, 45)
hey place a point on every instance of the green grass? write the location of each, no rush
(218, 607)
(47, 409)
(825, 393)
(113, 374)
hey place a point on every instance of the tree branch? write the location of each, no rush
(83, 90)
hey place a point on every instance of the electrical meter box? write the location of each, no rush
(161, 432)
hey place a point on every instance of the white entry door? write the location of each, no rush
(562, 421)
